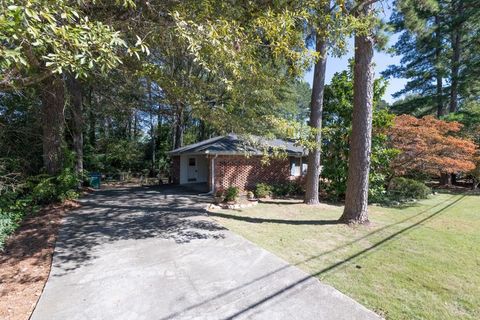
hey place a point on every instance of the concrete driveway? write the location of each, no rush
(153, 253)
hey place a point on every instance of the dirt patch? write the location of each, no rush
(25, 262)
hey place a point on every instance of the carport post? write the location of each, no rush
(212, 173)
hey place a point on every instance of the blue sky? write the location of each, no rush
(382, 61)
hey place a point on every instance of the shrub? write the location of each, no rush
(66, 182)
(45, 191)
(290, 188)
(402, 189)
(20, 195)
(11, 215)
(231, 194)
(263, 190)
(12, 211)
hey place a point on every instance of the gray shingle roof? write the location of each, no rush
(233, 144)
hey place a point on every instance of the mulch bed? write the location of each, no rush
(25, 262)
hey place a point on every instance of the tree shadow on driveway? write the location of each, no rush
(135, 213)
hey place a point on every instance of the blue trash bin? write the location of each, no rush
(95, 180)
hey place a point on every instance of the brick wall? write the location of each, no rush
(175, 169)
(245, 173)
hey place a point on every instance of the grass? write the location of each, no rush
(414, 262)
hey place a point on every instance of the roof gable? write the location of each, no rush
(235, 145)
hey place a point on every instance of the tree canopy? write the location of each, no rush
(429, 145)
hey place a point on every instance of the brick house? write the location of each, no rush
(230, 160)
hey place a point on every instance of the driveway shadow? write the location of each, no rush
(132, 213)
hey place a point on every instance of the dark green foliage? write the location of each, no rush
(432, 31)
(263, 190)
(14, 204)
(285, 189)
(23, 199)
(113, 155)
(12, 211)
(46, 189)
(20, 131)
(401, 189)
(469, 117)
(231, 194)
(337, 122)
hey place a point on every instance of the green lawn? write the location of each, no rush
(415, 262)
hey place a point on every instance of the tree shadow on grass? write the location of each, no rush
(280, 201)
(357, 255)
(295, 201)
(338, 264)
(278, 221)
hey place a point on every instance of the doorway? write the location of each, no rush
(192, 171)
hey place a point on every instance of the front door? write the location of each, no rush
(192, 170)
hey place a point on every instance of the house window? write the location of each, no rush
(295, 167)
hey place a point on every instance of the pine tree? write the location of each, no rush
(440, 55)
(356, 196)
(423, 48)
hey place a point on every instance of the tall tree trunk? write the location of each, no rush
(439, 73)
(448, 179)
(76, 102)
(153, 134)
(53, 123)
(356, 199)
(457, 11)
(203, 131)
(179, 128)
(92, 119)
(316, 107)
(135, 125)
(445, 179)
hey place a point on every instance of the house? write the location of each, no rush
(232, 160)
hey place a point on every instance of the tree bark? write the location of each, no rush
(135, 125)
(53, 123)
(153, 134)
(439, 74)
(356, 199)
(92, 119)
(316, 107)
(76, 104)
(179, 128)
(457, 11)
(203, 131)
(445, 179)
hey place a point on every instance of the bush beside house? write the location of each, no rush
(287, 189)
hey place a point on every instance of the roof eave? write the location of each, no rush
(232, 153)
